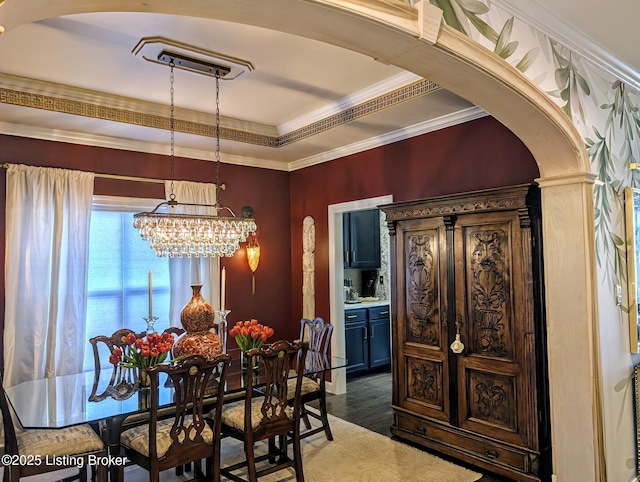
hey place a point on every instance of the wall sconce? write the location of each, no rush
(253, 257)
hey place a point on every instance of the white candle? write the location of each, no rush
(150, 295)
(195, 272)
(223, 283)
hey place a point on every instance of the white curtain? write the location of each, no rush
(48, 212)
(183, 272)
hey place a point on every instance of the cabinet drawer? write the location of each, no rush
(452, 439)
(379, 312)
(352, 316)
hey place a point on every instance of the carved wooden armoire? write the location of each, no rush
(468, 327)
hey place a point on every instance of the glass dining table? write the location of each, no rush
(67, 400)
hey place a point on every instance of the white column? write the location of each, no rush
(572, 334)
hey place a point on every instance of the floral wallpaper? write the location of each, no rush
(606, 112)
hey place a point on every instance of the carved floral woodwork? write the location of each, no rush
(474, 388)
(425, 381)
(489, 294)
(420, 327)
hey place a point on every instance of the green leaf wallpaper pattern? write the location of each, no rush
(573, 91)
(624, 117)
(462, 14)
(465, 14)
(569, 82)
(505, 48)
(527, 60)
(621, 126)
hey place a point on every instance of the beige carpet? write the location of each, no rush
(356, 454)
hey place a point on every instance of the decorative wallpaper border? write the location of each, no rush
(127, 116)
(408, 92)
(87, 109)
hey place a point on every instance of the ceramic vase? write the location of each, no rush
(197, 319)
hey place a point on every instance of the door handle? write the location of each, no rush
(364, 330)
(351, 316)
(372, 333)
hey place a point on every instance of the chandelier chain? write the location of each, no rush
(185, 234)
(218, 129)
(172, 121)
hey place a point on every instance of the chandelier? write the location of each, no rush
(186, 231)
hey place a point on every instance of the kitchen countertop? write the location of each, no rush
(365, 304)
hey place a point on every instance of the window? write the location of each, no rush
(119, 263)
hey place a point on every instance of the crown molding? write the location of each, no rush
(540, 18)
(431, 125)
(28, 92)
(65, 99)
(58, 135)
(60, 98)
(398, 81)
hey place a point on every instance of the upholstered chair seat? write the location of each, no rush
(137, 438)
(74, 440)
(308, 386)
(233, 414)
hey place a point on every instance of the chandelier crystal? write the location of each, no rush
(183, 234)
(189, 235)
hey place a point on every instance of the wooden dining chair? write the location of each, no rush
(69, 447)
(318, 334)
(123, 381)
(266, 414)
(190, 435)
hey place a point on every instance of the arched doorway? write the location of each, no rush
(416, 40)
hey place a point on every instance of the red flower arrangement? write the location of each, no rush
(250, 334)
(143, 352)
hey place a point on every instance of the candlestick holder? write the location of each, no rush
(221, 327)
(151, 320)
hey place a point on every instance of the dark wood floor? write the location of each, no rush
(368, 403)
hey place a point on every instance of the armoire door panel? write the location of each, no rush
(491, 378)
(491, 408)
(485, 274)
(426, 389)
(423, 344)
(424, 287)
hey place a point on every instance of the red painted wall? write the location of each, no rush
(476, 155)
(267, 191)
